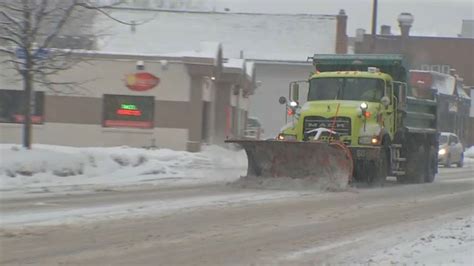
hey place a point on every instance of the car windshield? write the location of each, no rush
(443, 139)
(356, 89)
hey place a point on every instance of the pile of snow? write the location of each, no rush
(47, 165)
(469, 153)
(451, 244)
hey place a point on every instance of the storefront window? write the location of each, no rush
(12, 104)
(128, 111)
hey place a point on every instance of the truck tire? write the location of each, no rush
(431, 166)
(380, 172)
(416, 168)
(380, 169)
(362, 171)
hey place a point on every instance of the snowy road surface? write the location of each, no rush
(216, 224)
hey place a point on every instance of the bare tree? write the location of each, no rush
(28, 28)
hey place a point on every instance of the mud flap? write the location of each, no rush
(297, 159)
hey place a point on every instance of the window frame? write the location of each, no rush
(343, 81)
(455, 139)
(37, 113)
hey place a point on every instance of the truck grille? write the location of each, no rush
(342, 125)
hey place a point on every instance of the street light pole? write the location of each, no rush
(374, 26)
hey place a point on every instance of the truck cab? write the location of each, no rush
(358, 105)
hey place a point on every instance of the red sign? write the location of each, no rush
(421, 80)
(141, 81)
(35, 119)
(129, 112)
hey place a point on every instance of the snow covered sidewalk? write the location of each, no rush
(450, 244)
(469, 154)
(56, 168)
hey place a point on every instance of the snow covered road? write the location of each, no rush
(222, 224)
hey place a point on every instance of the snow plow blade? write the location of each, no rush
(297, 159)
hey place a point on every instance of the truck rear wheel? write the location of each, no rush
(416, 166)
(431, 166)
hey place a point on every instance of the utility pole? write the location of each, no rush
(374, 26)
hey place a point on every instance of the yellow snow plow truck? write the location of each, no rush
(360, 121)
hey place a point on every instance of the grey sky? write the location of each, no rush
(432, 17)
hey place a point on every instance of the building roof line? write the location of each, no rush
(281, 62)
(397, 37)
(222, 13)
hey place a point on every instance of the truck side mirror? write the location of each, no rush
(282, 100)
(385, 101)
(295, 92)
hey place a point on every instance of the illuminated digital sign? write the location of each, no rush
(128, 111)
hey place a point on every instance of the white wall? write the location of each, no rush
(275, 81)
(98, 77)
(107, 76)
(95, 135)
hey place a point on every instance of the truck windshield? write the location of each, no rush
(356, 89)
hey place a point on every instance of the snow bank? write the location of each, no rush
(47, 165)
(451, 244)
(469, 153)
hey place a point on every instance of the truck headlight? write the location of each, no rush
(286, 137)
(367, 140)
(442, 152)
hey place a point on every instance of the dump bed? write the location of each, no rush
(420, 115)
(393, 64)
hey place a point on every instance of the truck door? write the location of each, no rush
(399, 102)
(388, 114)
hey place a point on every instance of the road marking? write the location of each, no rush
(318, 249)
(45, 204)
(450, 180)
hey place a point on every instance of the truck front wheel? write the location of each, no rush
(379, 169)
(381, 173)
